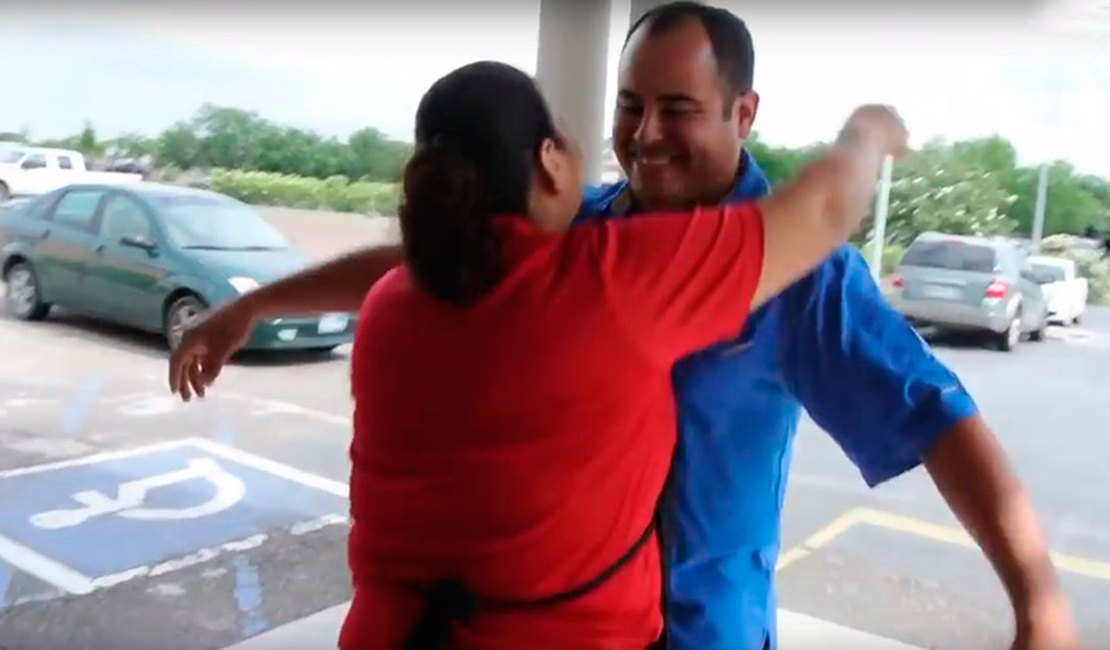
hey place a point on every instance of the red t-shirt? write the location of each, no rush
(521, 443)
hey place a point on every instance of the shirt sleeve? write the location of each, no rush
(682, 281)
(864, 375)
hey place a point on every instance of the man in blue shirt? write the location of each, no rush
(830, 344)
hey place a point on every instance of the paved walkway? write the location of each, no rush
(796, 631)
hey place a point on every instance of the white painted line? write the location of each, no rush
(265, 407)
(69, 580)
(337, 488)
(43, 568)
(95, 458)
(306, 527)
(177, 564)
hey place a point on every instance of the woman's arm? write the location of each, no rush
(683, 281)
(807, 218)
(337, 285)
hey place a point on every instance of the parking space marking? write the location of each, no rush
(1085, 567)
(43, 568)
(74, 523)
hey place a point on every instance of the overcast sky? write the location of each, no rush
(1037, 73)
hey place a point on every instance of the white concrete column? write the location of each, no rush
(571, 69)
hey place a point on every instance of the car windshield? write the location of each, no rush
(951, 254)
(1049, 273)
(10, 155)
(207, 222)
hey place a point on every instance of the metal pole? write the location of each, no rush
(882, 205)
(571, 69)
(1038, 213)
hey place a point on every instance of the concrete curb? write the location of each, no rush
(796, 632)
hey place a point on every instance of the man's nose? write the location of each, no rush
(648, 130)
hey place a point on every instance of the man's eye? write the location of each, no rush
(631, 109)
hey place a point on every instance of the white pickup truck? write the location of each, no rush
(30, 171)
(1065, 291)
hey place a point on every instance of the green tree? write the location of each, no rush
(87, 142)
(228, 136)
(779, 163)
(178, 146)
(935, 189)
(1071, 206)
(132, 145)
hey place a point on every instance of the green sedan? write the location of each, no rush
(153, 257)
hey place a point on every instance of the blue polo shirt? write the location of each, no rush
(830, 344)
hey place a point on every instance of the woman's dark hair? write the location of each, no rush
(478, 131)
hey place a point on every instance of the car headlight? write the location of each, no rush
(243, 284)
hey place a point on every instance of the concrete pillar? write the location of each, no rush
(571, 69)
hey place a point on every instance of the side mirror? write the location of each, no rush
(138, 241)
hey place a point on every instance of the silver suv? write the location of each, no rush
(974, 284)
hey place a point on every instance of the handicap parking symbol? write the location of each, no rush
(84, 523)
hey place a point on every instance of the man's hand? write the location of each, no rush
(207, 346)
(880, 125)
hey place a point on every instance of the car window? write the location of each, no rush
(1049, 273)
(77, 208)
(123, 217)
(10, 155)
(34, 161)
(64, 162)
(215, 222)
(28, 207)
(951, 254)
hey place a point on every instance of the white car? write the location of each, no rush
(1064, 289)
(31, 171)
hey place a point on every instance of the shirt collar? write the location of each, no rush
(750, 184)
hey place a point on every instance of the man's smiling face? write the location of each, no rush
(678, 129)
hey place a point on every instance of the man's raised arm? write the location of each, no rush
(337, 285)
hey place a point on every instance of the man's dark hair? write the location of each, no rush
(728, 36)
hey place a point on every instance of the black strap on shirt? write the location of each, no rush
(448, 600)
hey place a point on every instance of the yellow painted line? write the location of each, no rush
(1086, 567)
(1082, 566)
(838, 527)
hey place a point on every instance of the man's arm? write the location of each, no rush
(337, 285)
(1000, 517)
(867, 378)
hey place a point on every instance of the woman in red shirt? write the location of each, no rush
(514, 418)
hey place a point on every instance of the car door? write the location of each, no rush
(65, 246)
(36, 176)
(125, 268)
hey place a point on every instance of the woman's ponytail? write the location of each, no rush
(450, 245)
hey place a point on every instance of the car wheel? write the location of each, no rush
(1009, 339)
(22, 296)
(180, 315)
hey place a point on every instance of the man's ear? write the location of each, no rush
(550, 161)
(747, 105)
